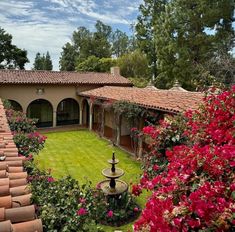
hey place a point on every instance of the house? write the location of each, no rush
(62, 98)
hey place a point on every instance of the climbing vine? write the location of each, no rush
(129, 110)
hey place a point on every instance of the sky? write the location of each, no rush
(46, 25)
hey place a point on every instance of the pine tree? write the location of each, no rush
(38, 62)
(188, 34)
(48, 62)
(42, 62)
(146, 28)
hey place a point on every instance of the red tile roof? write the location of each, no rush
(164, 100)
(16, 213)
(55, 77)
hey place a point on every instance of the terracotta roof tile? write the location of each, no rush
(164, 100)
(16, 213)
(55, 77)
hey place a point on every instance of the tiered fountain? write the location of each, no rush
(112, 186)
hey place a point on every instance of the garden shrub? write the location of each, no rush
(196, 189)
(18, 121)
(26, 138)
(29, 143)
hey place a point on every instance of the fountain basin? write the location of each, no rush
(107, 172)
(120, 187)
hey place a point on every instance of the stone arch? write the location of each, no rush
(67, 112)
(42, 110)
(15, 105)
(85, 112)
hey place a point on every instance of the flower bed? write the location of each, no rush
(193, 186)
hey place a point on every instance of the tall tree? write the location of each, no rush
(10, 55)
(48, 62)
(85, 44)
(189, 34)
(146, 27)
(101, 40)
(120, 43)
(42, 62)
(68, 58)
(38, 62)
(134, 64)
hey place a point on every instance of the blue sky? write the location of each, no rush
(46, 25)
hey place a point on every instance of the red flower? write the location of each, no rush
(81, 212)
(110, 214)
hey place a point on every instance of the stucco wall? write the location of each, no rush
(25, 94)
(125, 127)
(109, 119)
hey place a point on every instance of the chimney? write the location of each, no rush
(115, 71)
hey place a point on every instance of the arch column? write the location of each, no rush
(81, 115)
(91, 116)
(54, 117)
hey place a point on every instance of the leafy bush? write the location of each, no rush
(19, 122)
(29, 143)
(196, 189)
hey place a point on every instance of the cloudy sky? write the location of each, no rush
(46, 25)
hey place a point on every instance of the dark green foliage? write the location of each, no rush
(11, 57)
(134, 64)
(146, 25)
(102, 43)
(68, 57)
(185, 41)
(42, 62)
(120, 43)
(95, 64)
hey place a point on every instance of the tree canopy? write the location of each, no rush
(43, 62)
(11, 57)
(182, 35)
(85, 45)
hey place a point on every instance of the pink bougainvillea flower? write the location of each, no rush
(81, 212)
(110, 213)
(82, 200)
(136, 209)
(50, 179)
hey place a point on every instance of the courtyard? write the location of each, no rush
(83, 154)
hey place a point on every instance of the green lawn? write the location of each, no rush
(83, 155)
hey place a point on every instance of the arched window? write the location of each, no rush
(43, 111)
(67, 112)
(15, 105)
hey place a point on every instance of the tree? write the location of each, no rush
(68, 57)
(90, 64)
(11, 57)
(134, 64)
(95, 64)
(42, 62)
(120, 43)
(38, 62)
(184, 41)
(101, 40)
(48, 62)
(85, 44)
(146, 27)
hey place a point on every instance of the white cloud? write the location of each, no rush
(46, 25)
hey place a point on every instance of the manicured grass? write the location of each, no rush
(83, 155)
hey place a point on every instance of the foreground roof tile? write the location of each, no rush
(16, 213)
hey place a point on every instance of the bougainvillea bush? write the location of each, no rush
(26, 138)
(29, 143)
(195, 191)
(19, 122)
